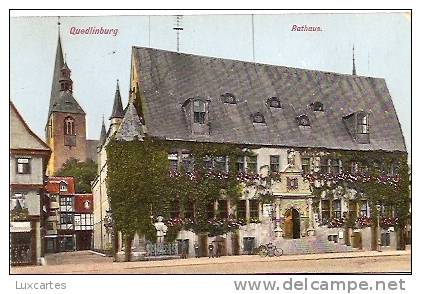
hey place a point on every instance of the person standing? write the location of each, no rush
(196, 249)
(211, 250)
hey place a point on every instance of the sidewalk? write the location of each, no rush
(225, 261)
(255, 258)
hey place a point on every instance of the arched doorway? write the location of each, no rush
(292, 224)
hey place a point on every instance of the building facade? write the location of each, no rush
(28, 162)
(69, 222)
(291, 120)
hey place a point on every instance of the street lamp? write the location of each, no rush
(379, 242)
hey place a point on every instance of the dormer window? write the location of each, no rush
(362, 123)
(274, 102)
(63, 187)
(258, 118)
(317, 106)
(357, 125)
(303, 120)
(229, 98)
(199, 111)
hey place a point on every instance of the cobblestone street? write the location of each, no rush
(85, 262)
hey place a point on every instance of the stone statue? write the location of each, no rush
(161, 229)
(291, 157)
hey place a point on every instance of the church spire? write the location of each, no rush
(118, 106)
(354, 71)
(58, 65)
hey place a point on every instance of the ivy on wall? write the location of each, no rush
(140, 186)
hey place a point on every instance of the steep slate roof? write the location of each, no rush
(117, 106)
(167, 79)
(61, 101)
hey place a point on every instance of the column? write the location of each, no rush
(247, 211)
(278, 228)
(310, 230)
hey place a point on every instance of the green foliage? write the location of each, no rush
(83, 172)
(140, 186)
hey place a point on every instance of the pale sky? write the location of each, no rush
(382, 49)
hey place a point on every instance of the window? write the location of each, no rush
(303, 120)
(189, 210)
(352, 209)
(324, 165)
(335, 166)
(394, 169)
(364, 208)
(362, 123)
(63, 187)
(199, 111)
(223, 208)
(229, 98)
(53, 198)
(317, 106)
(305, 165)
(220, 163)
(292, 183)
(69, 128)
(254, 208)
(173, 159)
(252, 164)
(325, 209)
(187, 162)
(274, 163)
(23, 165)
(175, 209)
(241, 209)
(66, 201)
(66, 218)
(274, 102)
(17, 201)
(207, 163)
(258, 118)
(337, 208)
(210, 210)
(240, 166)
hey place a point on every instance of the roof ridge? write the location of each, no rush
(262, 64)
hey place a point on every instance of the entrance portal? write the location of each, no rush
(292, 224)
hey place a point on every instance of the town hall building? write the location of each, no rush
(280, 114)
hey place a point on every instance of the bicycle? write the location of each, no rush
(269, 250)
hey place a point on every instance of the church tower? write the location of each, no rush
(65, 130)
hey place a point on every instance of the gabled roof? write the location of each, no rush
(21, 136)
(53, 185)
(167, 79)
(131, 126)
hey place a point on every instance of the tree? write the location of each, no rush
(83, 172)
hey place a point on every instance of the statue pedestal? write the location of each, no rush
(278, 232)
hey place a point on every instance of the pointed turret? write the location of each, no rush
(118, 106)
(354, 71)
(117, 114)
(103, 135)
